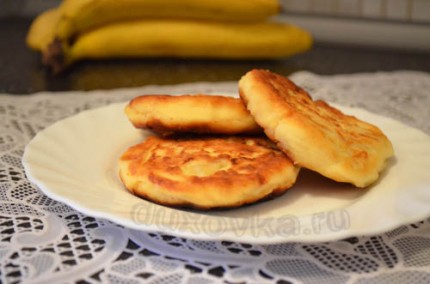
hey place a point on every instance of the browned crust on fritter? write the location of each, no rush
(206, 172)
(197, 113)
(313, 133)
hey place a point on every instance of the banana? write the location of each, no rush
(81, 15)
(42, 30)
(183, 39)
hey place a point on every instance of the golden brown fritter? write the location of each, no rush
(206, 172)
(312, 133)
(191, 113)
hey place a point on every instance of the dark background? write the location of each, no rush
(22, 73)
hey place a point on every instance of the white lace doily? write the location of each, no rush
(44, 241)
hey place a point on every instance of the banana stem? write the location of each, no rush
(55, 56)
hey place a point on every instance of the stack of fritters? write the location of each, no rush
(228, 162)
(221, 166)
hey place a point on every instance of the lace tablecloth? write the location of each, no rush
(45, 241)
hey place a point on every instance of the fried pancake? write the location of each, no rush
(206, 172)
(314, 134)
(191, 113)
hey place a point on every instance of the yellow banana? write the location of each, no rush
(42, 30)
(81, 15)
(184, 39)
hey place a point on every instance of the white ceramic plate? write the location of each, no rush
(75, 161)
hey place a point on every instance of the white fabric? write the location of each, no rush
(45, 241)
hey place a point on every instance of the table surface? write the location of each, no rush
(43, 240)
(23, 73)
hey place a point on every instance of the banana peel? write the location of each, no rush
(42, 30)
(78, 16)
(215, 29)
(181, 39)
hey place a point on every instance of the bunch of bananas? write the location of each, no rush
(223, 29)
